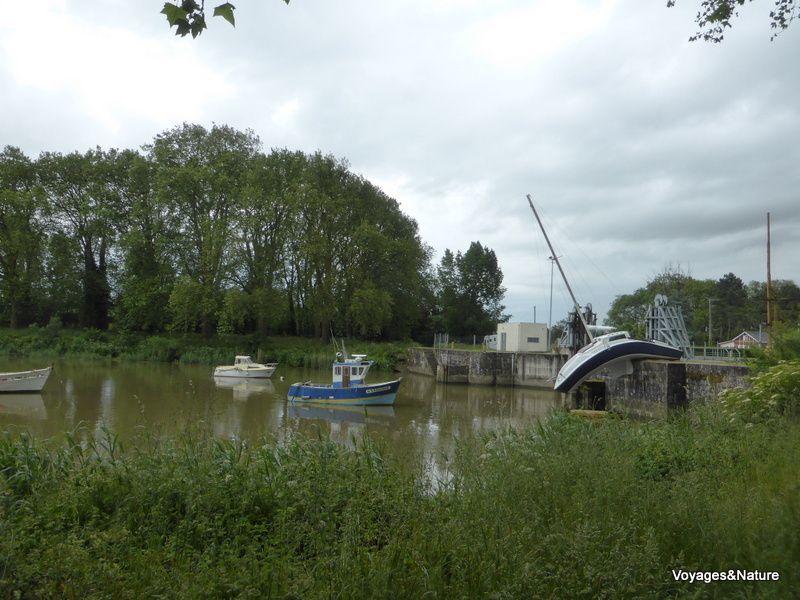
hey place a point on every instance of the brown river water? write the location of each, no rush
(129, 399)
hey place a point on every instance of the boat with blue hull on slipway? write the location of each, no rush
(348, 385)
(614, 352)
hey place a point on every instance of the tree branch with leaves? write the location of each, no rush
(715, 17)
(190, 17)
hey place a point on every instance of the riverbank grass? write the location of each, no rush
(51, 343)
(571, 508)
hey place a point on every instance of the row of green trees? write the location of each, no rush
(728, 305)
(202, 231)
(469, 291)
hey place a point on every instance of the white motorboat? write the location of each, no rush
(614, 352)
(24, 381)
(244, 367)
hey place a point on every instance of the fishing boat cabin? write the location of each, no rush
(350, 371)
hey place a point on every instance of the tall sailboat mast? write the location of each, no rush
(560, 270)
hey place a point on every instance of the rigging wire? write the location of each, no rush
(574, 267)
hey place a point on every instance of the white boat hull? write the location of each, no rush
(262, 372)
(24, 381)
(614, 353)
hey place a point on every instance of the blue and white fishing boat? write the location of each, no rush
(348, 386)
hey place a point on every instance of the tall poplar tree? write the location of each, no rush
(200, 178)
(83, 194)
(22, 237)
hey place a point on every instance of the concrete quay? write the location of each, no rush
(653, 389)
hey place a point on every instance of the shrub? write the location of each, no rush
(772, 393)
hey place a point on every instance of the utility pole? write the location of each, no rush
(552, 260)
(710, 300)
(769, 284)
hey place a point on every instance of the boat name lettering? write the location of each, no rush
(378, 389)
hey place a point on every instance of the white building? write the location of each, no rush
(522, 337)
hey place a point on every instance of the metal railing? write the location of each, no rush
(715, 353)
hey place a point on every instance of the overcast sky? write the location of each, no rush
(642, 150)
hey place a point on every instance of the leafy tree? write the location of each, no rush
(735, 307)
(470, 291)
(629, 310)
(714, 17)
(200, 178)
(447, 289)
(63, 276)
(206, 232)
(190, 17)
(83, 191)
(371, 309)
(786, 298)
(263, 230)
(237, 308)
(386, 254)
(731, 298)
(22, 237)
(189, 304)
(482, 282)
(322, 228)
(147, 232)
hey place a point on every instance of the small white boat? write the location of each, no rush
(614, 352)
(24, 381)
(244, 367)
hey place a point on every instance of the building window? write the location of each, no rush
(533, 340)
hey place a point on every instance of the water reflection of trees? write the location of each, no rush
(167, 400)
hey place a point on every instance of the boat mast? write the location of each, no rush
(560, 270)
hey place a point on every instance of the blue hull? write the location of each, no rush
(631, 349)
(373, 394)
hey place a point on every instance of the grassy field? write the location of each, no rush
(53, 343)
(568, 509)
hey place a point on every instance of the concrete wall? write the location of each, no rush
(421, 361)
(657, 387)
(652, 390)
(486, 368)
(706, 380)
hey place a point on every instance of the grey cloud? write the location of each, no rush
(636, 144)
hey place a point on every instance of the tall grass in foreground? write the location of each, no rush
(569, 509)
